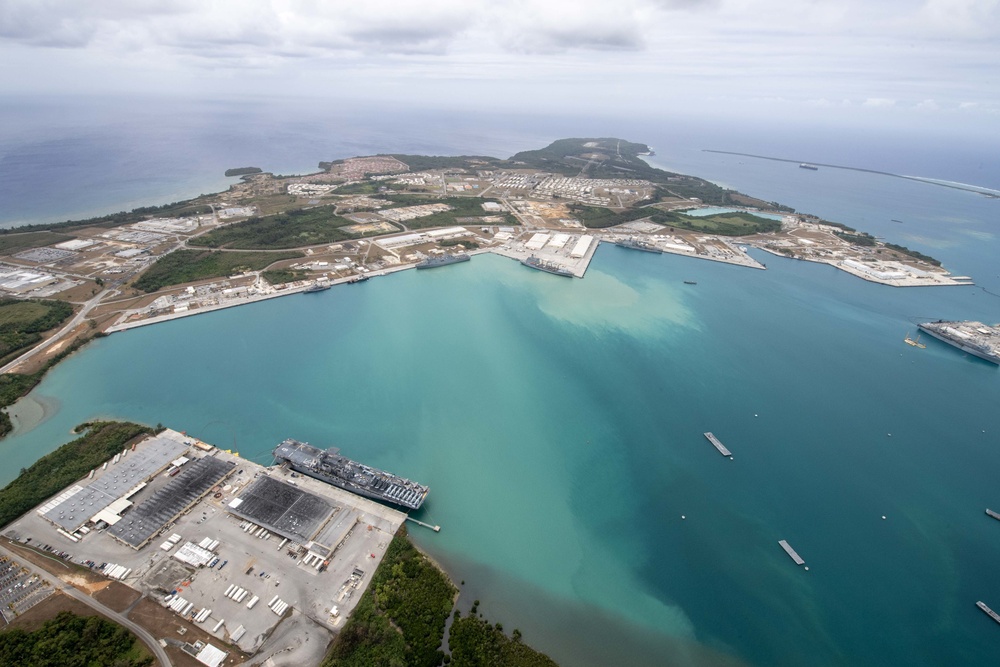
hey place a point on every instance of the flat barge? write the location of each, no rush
(330, 467)
(718, 445)
(791, 552)
(989, 612)
(993, 514)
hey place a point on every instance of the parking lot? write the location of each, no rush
(19, 590)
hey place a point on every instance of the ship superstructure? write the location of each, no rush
(976, 338)
(443, 260)
(638, 244)
(330, 467)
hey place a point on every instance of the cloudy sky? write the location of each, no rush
(938, 60)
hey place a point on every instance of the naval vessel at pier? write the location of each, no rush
(976, 338)
(330, 467)
(547, 266)
(638, 244)
(443, 260)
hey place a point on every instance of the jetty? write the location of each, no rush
(993, 514)
(791, 552)
(436, 529)
(718, 445)
(989, 612)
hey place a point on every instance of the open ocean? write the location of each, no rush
(559, 422)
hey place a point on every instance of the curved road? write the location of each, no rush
(58, 584)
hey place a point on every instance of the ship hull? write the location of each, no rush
(629, 246)
(961, 346)
(556, 271)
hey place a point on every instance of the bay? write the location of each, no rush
(559, 423)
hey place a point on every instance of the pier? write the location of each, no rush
(989, 612)
(436, 529)
(718, 445)
(993, 514)
(791, 552)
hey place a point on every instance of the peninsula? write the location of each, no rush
(268, 235)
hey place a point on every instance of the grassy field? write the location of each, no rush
(292, 229)
(11, 244)
(184, 266)
(724, 224)
(280, 276)
(22, 323)
(597, 217)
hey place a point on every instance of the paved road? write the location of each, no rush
(79, 317)
(139, 632)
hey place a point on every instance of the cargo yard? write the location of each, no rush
(231, 547)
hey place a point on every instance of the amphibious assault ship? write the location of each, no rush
(443, 260)
(976, 338)
(330, 467)
(638, 244)
(547, 266)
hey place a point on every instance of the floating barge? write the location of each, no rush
(791, 552)
(989, 612)
(718, 445)
(993, 514)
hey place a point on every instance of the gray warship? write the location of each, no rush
(638, 244)
(330, 467)
(976, 338)
(443, 260)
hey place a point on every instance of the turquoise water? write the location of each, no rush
(716, 210)
(558, 424)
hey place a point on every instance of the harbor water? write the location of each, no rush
(559, 424)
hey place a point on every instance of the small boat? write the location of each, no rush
(690, 282)
(915, 343)
(808, 166)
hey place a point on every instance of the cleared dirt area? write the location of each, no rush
(115, 595)
(163, 623)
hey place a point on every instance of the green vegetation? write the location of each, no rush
(724, 224)
(69, 640)
(184, 266)
(861, 239)
(425, 162)
(913, 253)
(22, 323)
(467, 243)
(15, 385)
(281, 276)
(54, 472)
(461, 207)
(292, 229)
(172, 210)
(401, 617)
(359, 188)
(243, 171)
(597, 217)
(14, 243)
(475, 643)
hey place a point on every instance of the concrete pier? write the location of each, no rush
(436, 529)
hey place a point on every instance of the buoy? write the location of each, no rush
(807, 568)
(683, 517)
(755, 414)
(890, 435)
(883, 517)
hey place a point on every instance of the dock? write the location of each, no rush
(989, 612)
(791, 552)
(993, 514)
(436, 529)
(718, 445)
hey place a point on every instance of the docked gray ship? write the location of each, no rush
(547, 266)
(330, 467)
(638, 244)
(976, 338)
(443, 260)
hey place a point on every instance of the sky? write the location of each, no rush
(886, 61)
